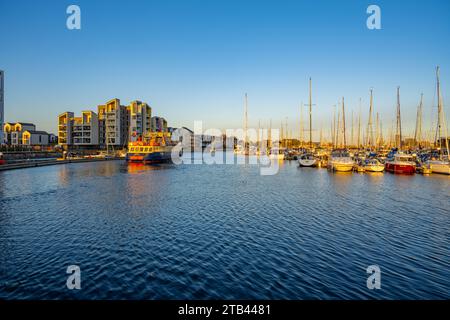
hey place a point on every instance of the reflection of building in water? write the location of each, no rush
(67, 173)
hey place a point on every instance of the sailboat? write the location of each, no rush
(371, 164)
(441, 165)
(307, 159)
(399, 162)
(340, 158)
(244, 149)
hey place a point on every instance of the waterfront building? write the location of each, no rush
(113, 124)
(2, 105)
(13, 132)
(158, 124)
(65, 123)
(85, 129)
(78, 131)
(35, 138)
(139, 120)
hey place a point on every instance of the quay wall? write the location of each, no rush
(41, 163)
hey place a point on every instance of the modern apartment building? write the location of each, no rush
(158, 124)
(113, 123)
(85, 129)
(113, 126)
(78, 131)
(65, 123)
(139, 120)
(2, 105)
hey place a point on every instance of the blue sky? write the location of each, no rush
(195, 59)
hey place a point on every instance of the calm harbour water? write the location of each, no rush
(221, 232)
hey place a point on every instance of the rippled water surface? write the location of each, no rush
(221, 232)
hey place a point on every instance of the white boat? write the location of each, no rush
(340, 161)
(307, 160)
(441, 165)
(373, 165)
(438, 166)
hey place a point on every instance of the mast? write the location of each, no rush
(282, 133)
(320, 140)
(343, 122)
(310, 114)
(286, 132)
(398, 137)
(441, 117)
(381, 133)
(359, 125)
(338, 127)
(269, 139)
(301, 123)
(418, 132)
(245, 121)
(257, 140)
(333, 128)
(438, 88)
(352, 136)
(369, 125)
(377, 132)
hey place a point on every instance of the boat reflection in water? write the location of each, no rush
(137, 168)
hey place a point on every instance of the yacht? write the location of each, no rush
(307, 160)
(373, 165)
(340, 160)
(401, 163)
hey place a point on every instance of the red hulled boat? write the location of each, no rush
(401, 163)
